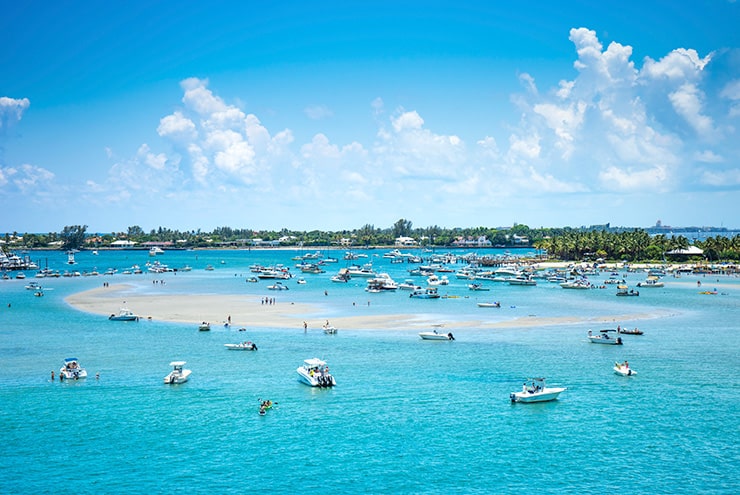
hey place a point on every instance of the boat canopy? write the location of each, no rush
(70, 360)
(314, 362)
(177, 363)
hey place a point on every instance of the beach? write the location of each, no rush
(250, 311)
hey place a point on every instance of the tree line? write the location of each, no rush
(565, 243)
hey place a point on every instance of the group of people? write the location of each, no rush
(268, 300)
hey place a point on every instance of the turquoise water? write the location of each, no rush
(407, 416)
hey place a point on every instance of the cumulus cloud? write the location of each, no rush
(11, 111)
(26, 179)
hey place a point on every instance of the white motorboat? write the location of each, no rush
(408, 284)
(428, 293)
(603, 337)
(435, 335)
(178, 374)
(204, 327)
(489, 304)
(477, 287)
(278, 286)
(535, 390)
(315, 373)
(124, 314)
(242, 346)
(651, 282)
(72, 370)
(624, 369)
(329, 329)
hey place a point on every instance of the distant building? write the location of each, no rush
(122, 243)
(406, 241)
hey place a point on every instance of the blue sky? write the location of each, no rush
(333, 115)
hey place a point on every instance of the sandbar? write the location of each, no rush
(249, 312)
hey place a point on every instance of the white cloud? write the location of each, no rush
(11, 111)
(721, 179)
(177, 127)
(627, 179)
(708, 156)
(687, 101)
(679, 65)
(318, 112)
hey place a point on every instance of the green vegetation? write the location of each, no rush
(576, 244)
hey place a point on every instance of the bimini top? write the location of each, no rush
(70, 360)
(177, 363)
(314, 363)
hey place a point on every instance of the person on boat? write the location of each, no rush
(626, 364)
(52, 375)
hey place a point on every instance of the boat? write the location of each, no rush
(652, 282)
(477, 287)
(624, 369)
(343, 276)
(265, 405)
(522, 280)
(178, 374)
(577, 284)
(314, 373)
(633, 331)
(329, 329)
(489, 304)
(242, 346)
(154, 251)
(124, 314)
(204, 327)
(252, 280)
(72, 370)
(435, 280)
(435, 335)
(278, 286)
(623, 291)
(428, 293)
(603, 337)
(709, 292)
(33, 285)
(536, 391)
(408, 284)
(301, 281)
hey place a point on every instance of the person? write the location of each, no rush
(305, 327)
(626, 364)
(52, 375)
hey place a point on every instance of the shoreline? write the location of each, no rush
(248, 311)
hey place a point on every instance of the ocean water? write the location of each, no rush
(407, 416)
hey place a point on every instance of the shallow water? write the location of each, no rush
(407, 416)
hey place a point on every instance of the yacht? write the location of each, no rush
(315, 373)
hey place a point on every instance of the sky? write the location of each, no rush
(335, 115)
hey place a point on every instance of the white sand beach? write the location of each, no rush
(248, 311)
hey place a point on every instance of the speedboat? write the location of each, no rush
(278, 286)
(624, 369)
(242, 346)
(124, 315)
(651, 282)
(536, 391)
(434, 335)
(204, 327)
(72, 370)
(477, 287)
(314, 373)
(489, 304)
(178, 374)
(603, 337)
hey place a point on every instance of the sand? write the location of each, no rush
(248, 311)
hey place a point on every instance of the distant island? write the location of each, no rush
(656, 243)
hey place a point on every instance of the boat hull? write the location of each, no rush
(545, 395)
(436, 336)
